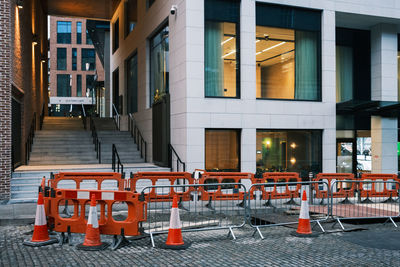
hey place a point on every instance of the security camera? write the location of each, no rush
(174, 9)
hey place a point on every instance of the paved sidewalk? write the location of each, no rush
(214, 248)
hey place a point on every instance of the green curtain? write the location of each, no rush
(306, 56)
(213, 60)
(344, 73)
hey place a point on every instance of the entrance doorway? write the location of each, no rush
(345, 157)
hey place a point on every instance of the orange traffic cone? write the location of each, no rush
(92, 236)
(174, 239)
(304, 227)
(40, 235)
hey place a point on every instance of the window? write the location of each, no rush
(159, 65)
(90, 85)
(288, 53)
(149, 3)
(344, 73)
(398, 68)
(115, 36)
(79, 32)
(130, 16)
(115, 90)
(88, 39)
(289, 151)
(61, 58)
(63, 85)
(74, 58)
(78, 85)
(88, 59)
(221, 55)
(222, 150)
(132, 84)
(63, 32)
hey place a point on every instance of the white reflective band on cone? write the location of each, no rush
(304, 210)
(175, 221)
(40, 218)
(93, 217)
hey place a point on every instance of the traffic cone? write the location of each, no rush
(40, 235)
(174, 239)
(92, 236)
(304, 226)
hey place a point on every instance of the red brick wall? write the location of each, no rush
(5, 99)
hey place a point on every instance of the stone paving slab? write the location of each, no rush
(211, 248)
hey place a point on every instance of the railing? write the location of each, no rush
(96, 141)
(179, 162)
(116, 117)
(41, 118)
(31, 135)
(84, 116)
(138, 137)
(116, 161)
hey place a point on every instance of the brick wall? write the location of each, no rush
(5, 99)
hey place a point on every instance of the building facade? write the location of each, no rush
(75, 68)
(260, 86)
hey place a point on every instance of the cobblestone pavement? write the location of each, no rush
(212, 248)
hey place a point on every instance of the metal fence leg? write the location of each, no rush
(259, 232)
(340, 223)
(231, 233)
(152, 240)
(391, 219)
(320, 226)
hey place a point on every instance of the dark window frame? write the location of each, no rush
(130, 57)
(84, 57)
(74, 59)
(115, 36)
(127, 21)
(68, 88)
(61, 39)
(64, 64)
(78, 84)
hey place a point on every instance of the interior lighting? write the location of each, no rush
(34, 39)
(269, 48)
(293, 145)
(20, 4)
(230, 53)
(293, 160)
(227, 40)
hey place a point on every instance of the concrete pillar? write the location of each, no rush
(384, 88)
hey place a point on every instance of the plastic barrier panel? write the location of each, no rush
(88, 180)
(341, 190)
(368, 188)
(278, 191)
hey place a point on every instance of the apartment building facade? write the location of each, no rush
(75, 68)
(284, 85)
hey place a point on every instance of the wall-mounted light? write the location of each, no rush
(293, 160)
(35, 39)
(43, 58)
(20, 4)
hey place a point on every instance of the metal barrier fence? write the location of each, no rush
(278, 204)
(365, 199)
(196, 214)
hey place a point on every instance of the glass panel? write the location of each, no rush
(88, 59)
(344, 73)
(63, 85)
(287, 64)
(90, 85)
(79, 32)
(159, 65)
(61, 58)
(344, 157)
(132, 83)
(79, 85)
(289, 151)
(222, 150)
(88, 39)
(115, 35)
(221, 66)
(364, 161)
(74, 58)
(131, 15)
(63, 32)
(398, 72)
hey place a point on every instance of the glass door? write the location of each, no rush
(344, 159)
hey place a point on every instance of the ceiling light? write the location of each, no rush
(269, 48)
(35, 39)
(227, 40)
(20, 4)
(257, 40)
(234, 51)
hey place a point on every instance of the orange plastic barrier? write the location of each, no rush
(281, 177)
(207, 193)
(388, 189)
(79, 177)
(173, 178)
(329, 177)
(80, 199)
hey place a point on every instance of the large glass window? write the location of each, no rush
(222, 150)
(63, 32)
(221, 49)
(344, 73)
(289, 151)
(74, 58)
(130, 15)
(132, 84)
(115, 36)
(79, 32)
(61, 58)
(63, 85)
(159, 65)
(398, 67)
(78, 85)
(288, 53)
(88, 59)
(90, 85)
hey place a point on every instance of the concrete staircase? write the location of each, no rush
(62, 140)
(109, 135)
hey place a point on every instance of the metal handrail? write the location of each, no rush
(137, 137)
(178, 159)
(31, 135)
(96, 141)
(116, 161)
(116, 118)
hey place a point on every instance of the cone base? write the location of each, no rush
(40, 243)
(102, 246)
(176, 247)
(296, 234)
